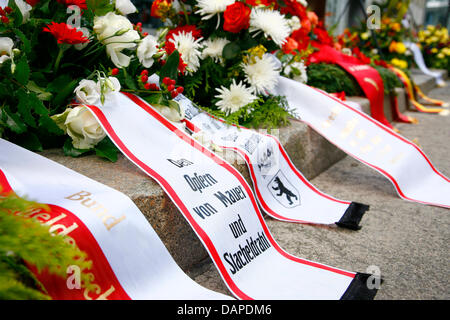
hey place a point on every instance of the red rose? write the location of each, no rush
(237, 17)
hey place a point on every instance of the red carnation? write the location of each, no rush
(237, 17)
(196, 33)
(65, 33)
(323, 36)
(80, 3)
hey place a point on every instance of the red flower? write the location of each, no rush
(159, 7)
(294, 8)
(255, 3)
(237, 17)
(32, 2)
(80, 3)
(290, 45)
(323, 36)
(196, 33)
(182, 66)
(302, 38)
(361, 56)
(65, 33)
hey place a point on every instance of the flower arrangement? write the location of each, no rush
(54, 51)
(227, 48)
(389, 44)
(435, 45)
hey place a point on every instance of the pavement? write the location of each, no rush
(408, 242)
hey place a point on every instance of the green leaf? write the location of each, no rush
(129, 80)
(24, 39)
(100, 7)
(71, 151)
(231, 50)
(16, 14)
(40, 92)
(107, 149)
(63, 95)
(24, 108)
(29, 141)
(247, 42)
(49, 125)
(12, 121)
(22, 72)
(37, 104)
(170, 69)
(157, 99)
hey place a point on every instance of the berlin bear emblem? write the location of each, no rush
(283, 191)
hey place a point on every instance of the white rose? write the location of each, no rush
(114, 51)
(6, 47)
(87, 92)
(24, 8)
(171, 113)
(81, 126)
(109, 84)
(116, 32)
(146, 50)
(110, 24)
(125, 7)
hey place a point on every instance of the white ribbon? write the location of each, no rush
(420, 62)
(369, 141)
(282, 190)
(219, 205)
(141, 267)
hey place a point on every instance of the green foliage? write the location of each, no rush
(390, 79)
(269, 113)
(332, 78)
(23, 239)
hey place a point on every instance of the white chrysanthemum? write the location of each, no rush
(235, 98)
(214, 49)
(189, 49)
(297, 71)
(271, 22)
(262, 74)
(294, 23)
(209, 8)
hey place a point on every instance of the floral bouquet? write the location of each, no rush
(435, 45)
(227, 51)
(54, 51)
(388, 45)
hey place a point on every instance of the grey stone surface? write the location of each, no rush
(426, 83)
(408, 242)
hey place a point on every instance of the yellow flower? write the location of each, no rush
(402, 64)
(392, 46)
(434, 50)
(400, 48)
(365, 35)
(396, 26)
(440, 56)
